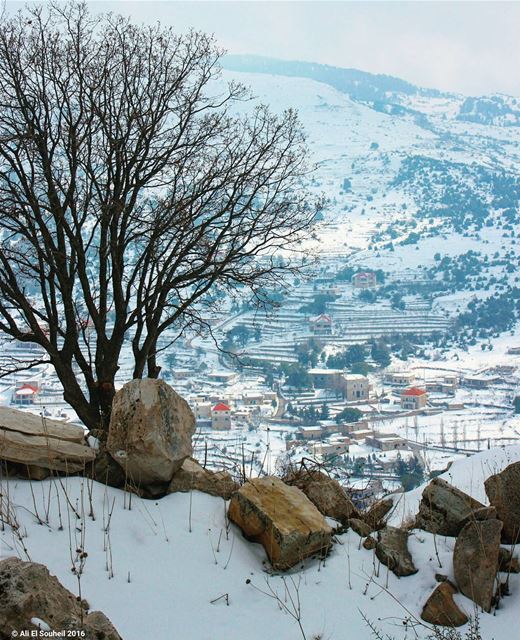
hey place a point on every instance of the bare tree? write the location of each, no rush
(131, 189)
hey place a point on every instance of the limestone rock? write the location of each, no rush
(475, 560)
(282, 519)
(45, 452)
(440, 608)
(192, 477)
(444, 509)
(392, 550)
(150, 431)
(375, 515)
(29, 591)
(325, 493)
(360, 527)
(503, 491)
(34, 425)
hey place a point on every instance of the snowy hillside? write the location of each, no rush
(177, 568)
(419, 191)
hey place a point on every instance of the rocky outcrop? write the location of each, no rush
(392, 550)
(445, 510)
(376, 514)
(503, 491)
(30, 593)
(475, 560)
(440, 609)
(282, 519)
(192, 477)
(325, 493)
(150, 431)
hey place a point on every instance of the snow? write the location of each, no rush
(176, 568)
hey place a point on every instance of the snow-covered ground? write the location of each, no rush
(176, 568)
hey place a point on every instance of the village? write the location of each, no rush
(291, 384)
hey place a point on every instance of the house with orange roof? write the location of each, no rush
(413, 399)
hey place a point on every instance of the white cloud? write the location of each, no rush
(469, 47)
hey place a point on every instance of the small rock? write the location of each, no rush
(475, 560)
(503, 491)
(392, 550)
(440, 608)
(282, 519)
(192, 477)
(327, 495)
(369, 543)
(376, 514)
(507, 563)
(445, 510)
(360, 527)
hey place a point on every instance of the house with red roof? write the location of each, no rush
(413, 399)
(221, 417)
(26, 393)
(364, 279)
(321, 325)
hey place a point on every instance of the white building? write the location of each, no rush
(356, 387)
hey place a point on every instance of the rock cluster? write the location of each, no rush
(477, 555)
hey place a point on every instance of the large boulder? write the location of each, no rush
(475, 560)
(282, 519)
(392, 550)
(192, 477)
(445, 510)
(441, 610)
(503, 491)
(150, 431)
(30, 594)
(327, 495)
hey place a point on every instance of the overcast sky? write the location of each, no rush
(468, 47)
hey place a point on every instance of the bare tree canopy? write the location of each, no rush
(130, 186)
